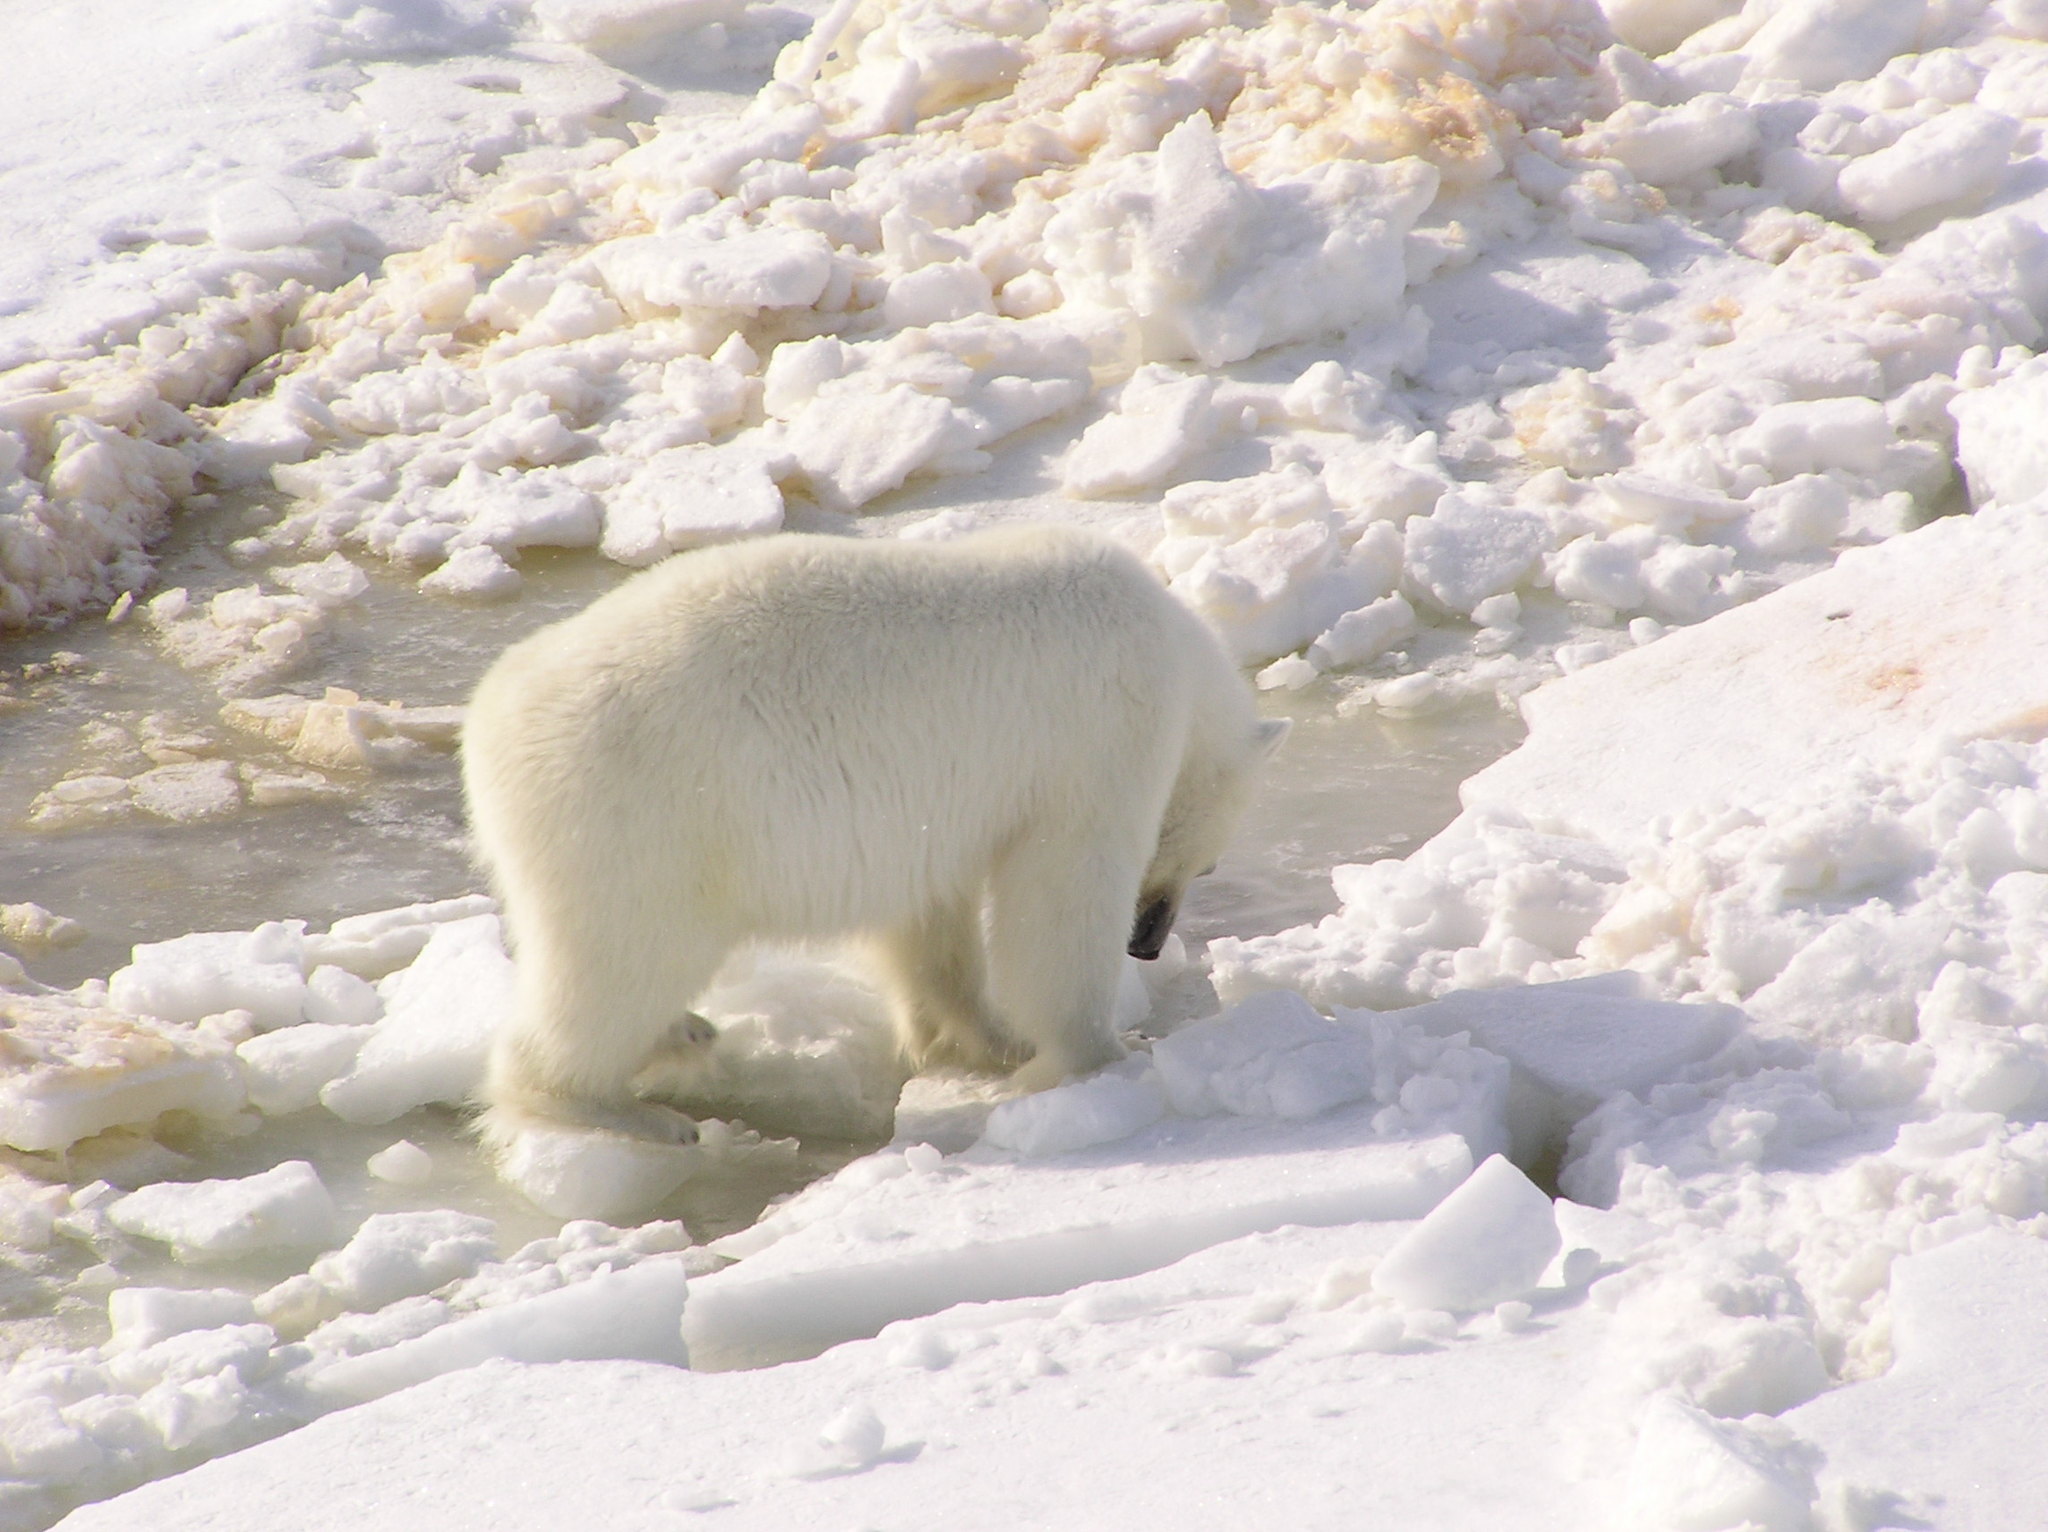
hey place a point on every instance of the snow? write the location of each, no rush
(1099, 1110)
(865, 1249)
(1970, 1309)
(191, 1372)
(1999, 453)
(286, 147)
(1867, 664)
(1691, 1470)
(1661, 1143)
(1574, 1043)
(1174, 1358)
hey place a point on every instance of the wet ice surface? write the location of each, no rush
(1350, 787)
(383, 841)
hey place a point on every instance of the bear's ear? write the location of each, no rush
(1267, 734)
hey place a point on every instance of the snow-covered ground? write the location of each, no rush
(1661, 1145)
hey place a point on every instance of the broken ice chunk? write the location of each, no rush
(401, 1255)
(439, 1015)
(1488, 1242)
(1271, 1056)
(1099, 1110)
(69, 1070)
(30, 926)
(286, 1069)
(595, 1175)
(404, 1163)
(190, 977)
(285, 1207)
(478, 573)
(142, 1316)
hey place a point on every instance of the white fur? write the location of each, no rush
(826, 737)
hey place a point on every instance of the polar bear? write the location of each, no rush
(998, 760)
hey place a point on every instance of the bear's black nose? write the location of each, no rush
(1148, 935)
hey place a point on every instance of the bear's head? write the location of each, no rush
(1209, 798)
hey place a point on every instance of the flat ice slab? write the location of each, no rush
(631, 1313)
(1223, 1393)
(906, 1232)
(1937, 632)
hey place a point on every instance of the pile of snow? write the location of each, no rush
(152, 259)
(1862, 745)
(1825, 809)
(1975, 1309)
(1535, 332)
(1429, 316)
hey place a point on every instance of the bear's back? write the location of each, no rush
(779, 615)
(987, 576)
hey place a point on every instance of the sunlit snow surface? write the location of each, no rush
(1434, 352)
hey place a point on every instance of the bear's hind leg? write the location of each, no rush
(936, 972)
(679, 1059)
(512, 1111)
(584, 1029)
(685, 1043)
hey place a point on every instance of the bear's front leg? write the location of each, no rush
(1056, 950)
